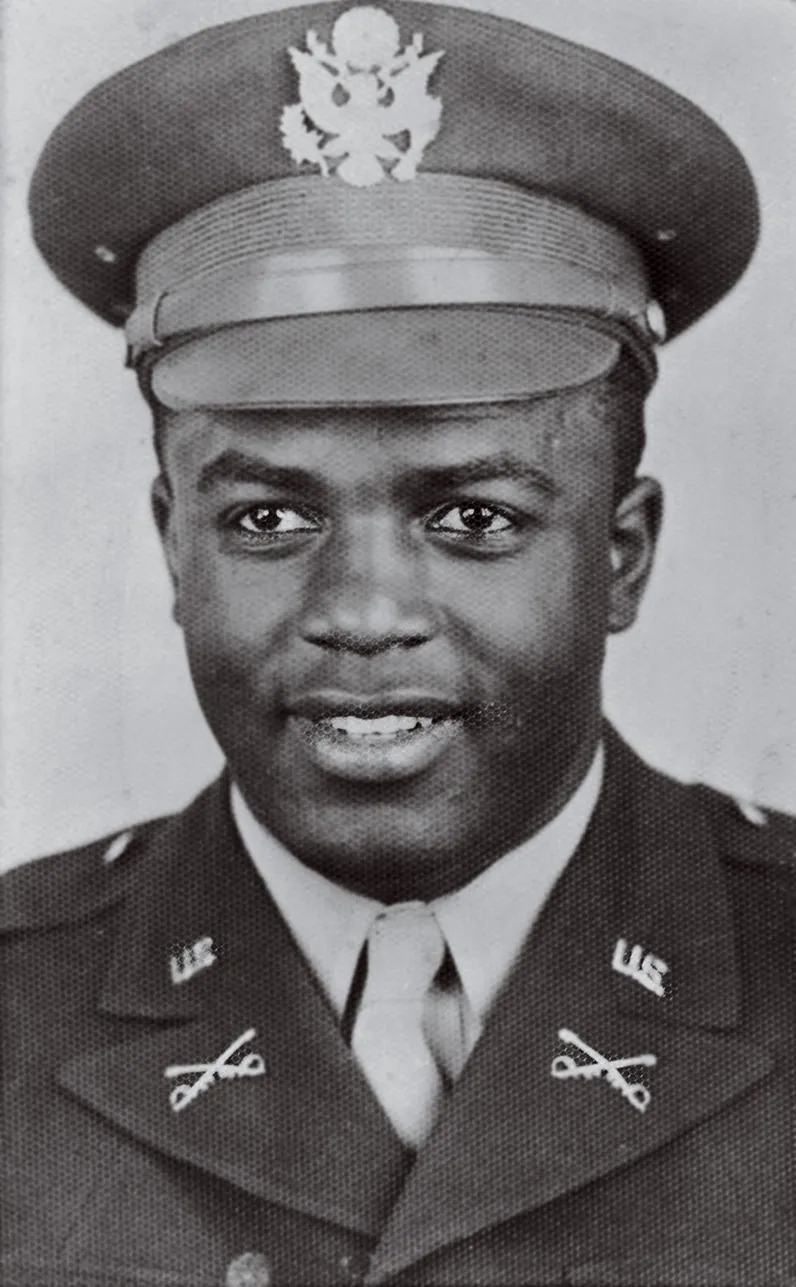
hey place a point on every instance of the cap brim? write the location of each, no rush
(397, 357)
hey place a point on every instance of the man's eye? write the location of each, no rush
(472, 520)
(275, 520)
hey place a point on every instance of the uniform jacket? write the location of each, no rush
(294, 1175)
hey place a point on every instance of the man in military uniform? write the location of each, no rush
(438, 984)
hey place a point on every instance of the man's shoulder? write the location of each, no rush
(76, 884)
(753, 843)
(756, 849)
(749, 835)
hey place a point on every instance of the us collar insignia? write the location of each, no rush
(364, 101)
(644, 967)
(565, 1066)
(187, 961)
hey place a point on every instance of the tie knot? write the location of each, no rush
(406, 948)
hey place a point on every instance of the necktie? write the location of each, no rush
(405, 949)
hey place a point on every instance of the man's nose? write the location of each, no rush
(368, 593)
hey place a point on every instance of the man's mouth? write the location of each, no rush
(377, 738)
(380, 726)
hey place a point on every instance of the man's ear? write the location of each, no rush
(162, 500)
(634, 536)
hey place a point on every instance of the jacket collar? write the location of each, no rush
(515, 1137)
(308, 1134)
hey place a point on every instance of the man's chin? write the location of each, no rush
(379, 857)
(400, 839)
(395, 810)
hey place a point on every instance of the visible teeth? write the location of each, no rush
(382, 726)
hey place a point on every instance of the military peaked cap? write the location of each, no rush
(415, 203)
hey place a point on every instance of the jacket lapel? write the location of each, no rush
(305, 1132)
(515, 1136)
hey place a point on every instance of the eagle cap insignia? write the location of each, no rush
(364, 111)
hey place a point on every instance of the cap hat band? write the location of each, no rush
(294, 248)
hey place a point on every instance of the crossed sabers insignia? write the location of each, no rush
(565, 1066)
(220, 1069)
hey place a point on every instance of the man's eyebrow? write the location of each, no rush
(234, 466)
(485, 469)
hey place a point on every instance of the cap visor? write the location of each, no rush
(396, 357)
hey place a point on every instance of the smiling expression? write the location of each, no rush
(395, 621)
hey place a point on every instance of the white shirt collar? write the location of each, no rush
(485, 923)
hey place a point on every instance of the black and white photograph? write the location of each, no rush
(398, 665)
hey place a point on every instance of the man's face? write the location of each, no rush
(395, 621)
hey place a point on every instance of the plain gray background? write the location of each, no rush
(99, 722)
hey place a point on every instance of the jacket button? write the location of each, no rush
(355, 1267)
(248, 1270)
